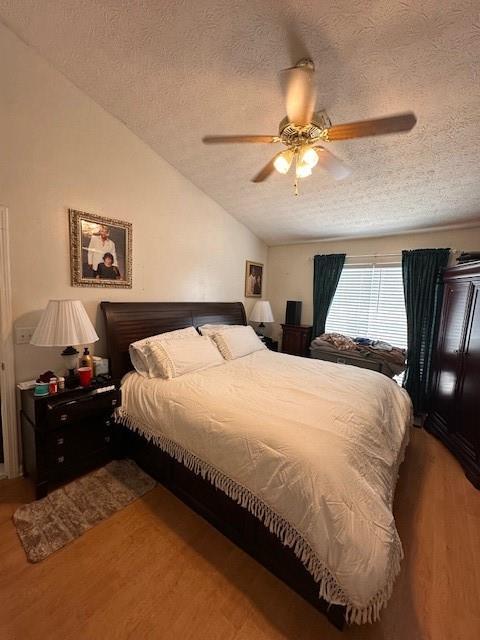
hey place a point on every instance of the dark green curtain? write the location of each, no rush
(423, 298)
(326, 274)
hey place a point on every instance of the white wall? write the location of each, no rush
(290, 267)
(59, 149)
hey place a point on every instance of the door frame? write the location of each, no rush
(11, 438)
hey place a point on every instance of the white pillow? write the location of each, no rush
(173, 358)
(139, 350)
(212, 329)
(237, 342)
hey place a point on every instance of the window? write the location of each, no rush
(369, 302)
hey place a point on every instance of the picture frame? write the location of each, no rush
(100, 251)
(253, 279)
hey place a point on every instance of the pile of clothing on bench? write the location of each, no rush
(392, 358)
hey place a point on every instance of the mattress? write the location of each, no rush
(309, 447)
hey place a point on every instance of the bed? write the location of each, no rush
(241, 444)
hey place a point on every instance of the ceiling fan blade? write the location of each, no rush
(376, 127)
(299, 89)
(266, 171)
(332, 164)
(230, 139)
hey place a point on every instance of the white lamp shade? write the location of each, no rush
(262, 312)
(64, 323)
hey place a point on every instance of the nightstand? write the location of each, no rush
(296, 339)
(269, 343)
(66, 434)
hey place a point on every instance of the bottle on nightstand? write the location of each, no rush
(87, 361)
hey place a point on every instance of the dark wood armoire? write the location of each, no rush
(454, 414)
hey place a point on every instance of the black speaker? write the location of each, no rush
(293, 313)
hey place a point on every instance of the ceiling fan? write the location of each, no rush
(303, 129)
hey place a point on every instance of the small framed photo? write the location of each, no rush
(100, 251)
(253, 279)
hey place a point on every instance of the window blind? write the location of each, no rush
(369, 302)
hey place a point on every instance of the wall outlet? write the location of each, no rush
(23, 335)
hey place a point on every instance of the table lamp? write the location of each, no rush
(262, 312)
(65, 323)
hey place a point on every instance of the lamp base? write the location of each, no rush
(260, 328)
(70, 358)
(72, 380)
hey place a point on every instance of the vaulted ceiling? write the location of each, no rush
(176, 70)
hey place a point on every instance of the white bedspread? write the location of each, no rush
(312, 448)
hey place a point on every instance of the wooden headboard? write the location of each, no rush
(127, 322)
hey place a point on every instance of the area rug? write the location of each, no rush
(65, 514)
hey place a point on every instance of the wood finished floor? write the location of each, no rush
(157, 570)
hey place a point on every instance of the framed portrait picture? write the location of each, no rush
(100, 251)
(253, 279)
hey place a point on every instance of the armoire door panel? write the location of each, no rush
(449, 353)
(469, 414)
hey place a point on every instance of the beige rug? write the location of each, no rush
(49, 524)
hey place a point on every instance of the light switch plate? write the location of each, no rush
(23, 335)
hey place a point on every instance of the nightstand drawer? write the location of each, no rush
(69, 465)
(64, 444)
(82, 408)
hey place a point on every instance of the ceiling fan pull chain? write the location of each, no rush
(295, 184)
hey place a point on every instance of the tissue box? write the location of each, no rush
(101, 365)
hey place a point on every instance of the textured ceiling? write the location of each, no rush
(175, 70)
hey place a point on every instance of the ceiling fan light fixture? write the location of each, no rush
(283, 161)
(309, 156)
(303, 130)
(303, 170)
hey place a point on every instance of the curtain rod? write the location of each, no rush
(383, 255)
(375, 255)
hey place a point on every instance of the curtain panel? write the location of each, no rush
(327, 270)
(423, 300)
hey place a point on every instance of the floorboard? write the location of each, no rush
(157, 570)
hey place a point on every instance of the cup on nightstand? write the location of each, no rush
(85, 375)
